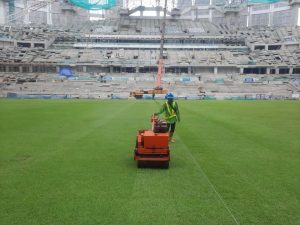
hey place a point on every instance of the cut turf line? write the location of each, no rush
(206, 177)
(81, 168)
(149, 194)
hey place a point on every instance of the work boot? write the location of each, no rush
(171, 140)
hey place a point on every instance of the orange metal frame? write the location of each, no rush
(152, 147)
(159, 72)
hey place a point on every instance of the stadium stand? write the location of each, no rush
(201, 58)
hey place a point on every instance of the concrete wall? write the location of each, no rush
(181, 4)
(50, 14)
(276, 14)
(6, 44)
(204, 70)
(295, 14)
(282, 18)
(201, 2)
(2, 12)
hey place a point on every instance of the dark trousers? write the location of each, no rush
(171, 126)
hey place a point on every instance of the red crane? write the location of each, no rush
(161, 50)
(158, 87)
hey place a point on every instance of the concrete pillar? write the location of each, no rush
(210, 11)
(157, 12)
(249, 16)
(84, 69)
(6, 68)
(271, 15)
(111, 69)
(268, 70)
(137, 69)
(2, 12)
(30, 69)
(189, 70)
(298, 15)
(291, 70)
(215, 70)
(20, 69)
(276, 70)
(241, 70)
(49, 13)
(26, 10)
(194, 12)
(57, 69)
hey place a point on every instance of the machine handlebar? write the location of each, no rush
(158, 125)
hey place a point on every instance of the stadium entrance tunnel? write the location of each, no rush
(274, 47)
(150, 69)
(119, 69)
(284, 71)
(177, 70)
(296, 71)
(24, 45)
(258, 70)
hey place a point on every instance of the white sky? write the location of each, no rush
(134, 3)
(150, 3)
(147, 3)
(298, 22)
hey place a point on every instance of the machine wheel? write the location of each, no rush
(165, 165)
(140, 164)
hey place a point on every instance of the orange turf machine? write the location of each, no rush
(152, 146)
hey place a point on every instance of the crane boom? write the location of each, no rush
(158, 88)
(162, 41)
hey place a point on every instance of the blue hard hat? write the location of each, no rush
(169, 96)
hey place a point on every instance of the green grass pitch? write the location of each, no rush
(71, 162)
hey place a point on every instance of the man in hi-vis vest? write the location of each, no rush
(172, 115)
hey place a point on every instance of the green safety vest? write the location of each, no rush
(170, 112)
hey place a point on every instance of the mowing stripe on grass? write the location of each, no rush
(206, 177)
(151, 198)
(71, 162)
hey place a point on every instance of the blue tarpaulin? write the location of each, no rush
(263, 1)
(185, 79)
(248, 80)
(107, 78)
(66, 71)
(296, 80)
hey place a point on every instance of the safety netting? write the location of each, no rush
(94, 4)
(264, 1)
(108, 4)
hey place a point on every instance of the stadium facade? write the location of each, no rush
(241, 13)
(203, 37)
